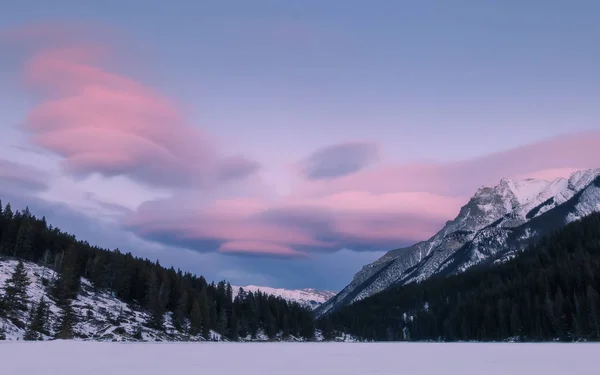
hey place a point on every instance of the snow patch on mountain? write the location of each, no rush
(308, 297)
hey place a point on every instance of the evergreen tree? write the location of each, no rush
(285, 326)
(67, 322)
(270, 324)
(234, 331)
(181, 311)
(222, 322)
(38, 322)
(68, 283)
(24, 243)
(206, 322)
(593, 301)
(154, 303)
(196, 319)
(15, 290)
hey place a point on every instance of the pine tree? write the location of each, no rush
(68, 283)
(153, 302)
(2, 329)
(181, 311)
(270, 324)
(38, 322)
(593, 301)
(206, 321)
(24, 242)
(234, 331)
(515, 321)
(15, 290)
(9, 231)
(222, 322)
(196, 318)
(67, 322)
(285, 326)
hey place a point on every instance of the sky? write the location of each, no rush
(286, 144)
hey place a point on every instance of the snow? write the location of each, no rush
(307, 297)
(95, 358)
(588, 203)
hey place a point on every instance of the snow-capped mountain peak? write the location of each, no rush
(308, 297)
(495, 221)
(582, 178)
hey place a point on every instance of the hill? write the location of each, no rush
(68, 288)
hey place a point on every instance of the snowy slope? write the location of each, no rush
(311, 298)
(101, 316)
(496, 221)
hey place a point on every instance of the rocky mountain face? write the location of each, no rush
(496, 222)
(310, 298)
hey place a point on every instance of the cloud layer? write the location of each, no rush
(20, 178)
(101, 121)
(371, 209)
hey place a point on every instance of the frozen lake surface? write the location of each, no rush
(96, 358)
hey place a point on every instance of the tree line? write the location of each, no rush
(548, 292)
(197, 306)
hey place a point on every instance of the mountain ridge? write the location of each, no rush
(308, 297)
(497, 219)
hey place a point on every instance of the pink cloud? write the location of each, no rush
(370, 209)
(461, 178)
(295, 227)
(101, 121)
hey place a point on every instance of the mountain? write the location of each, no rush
(547, 293)
(310, 298)
(495, 223)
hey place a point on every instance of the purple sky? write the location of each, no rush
(286, 144)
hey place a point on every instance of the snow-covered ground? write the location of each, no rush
(98, 358)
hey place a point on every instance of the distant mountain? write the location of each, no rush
(309, 297)
(496, 222)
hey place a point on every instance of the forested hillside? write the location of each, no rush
(548, 292)
(196, 306)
